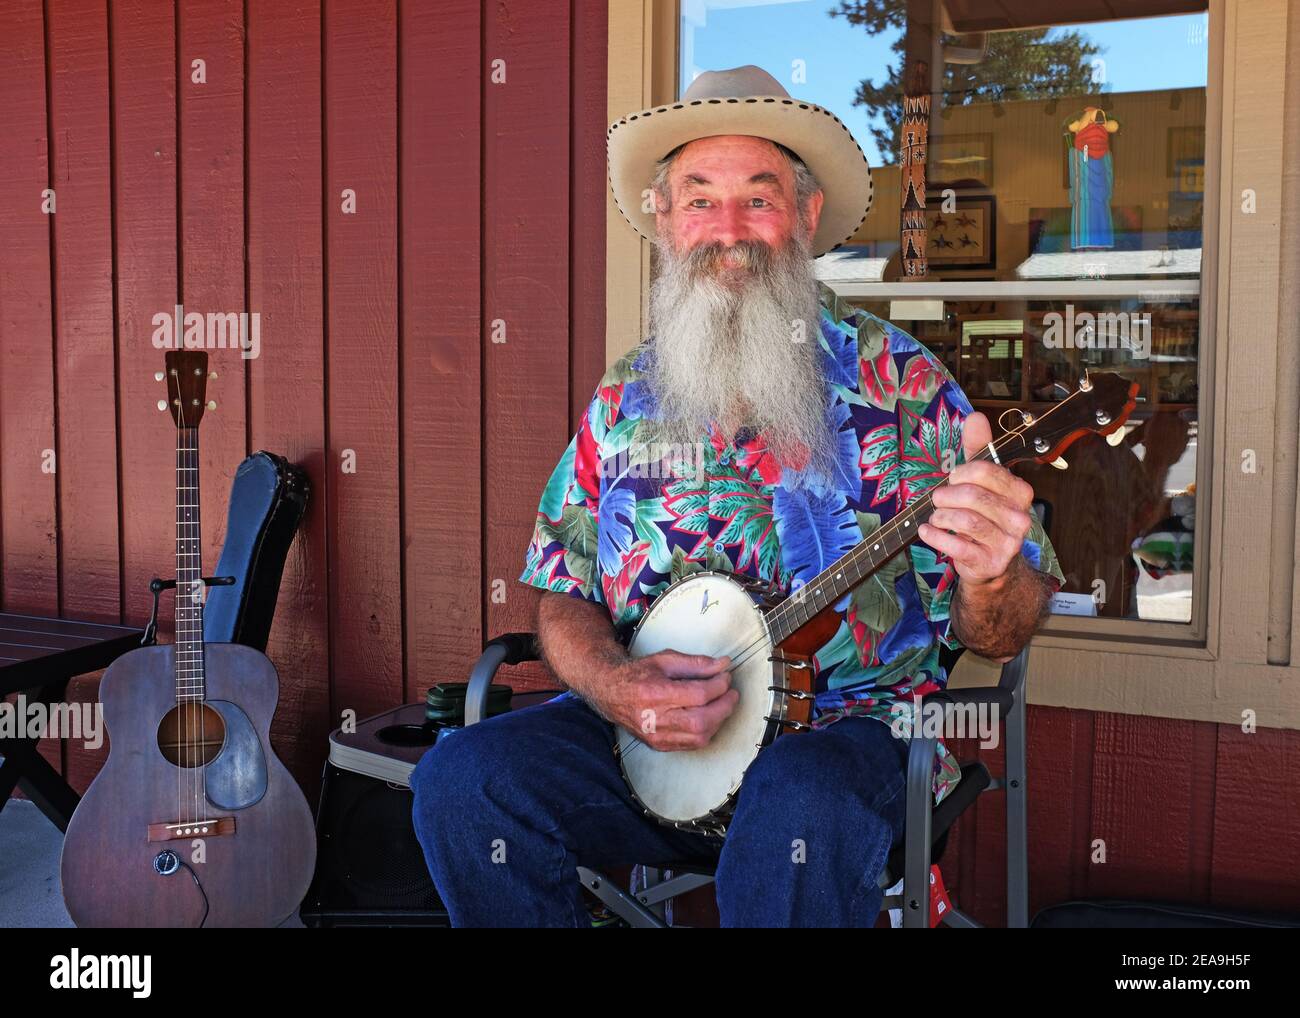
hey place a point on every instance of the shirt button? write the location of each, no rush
(717, 546)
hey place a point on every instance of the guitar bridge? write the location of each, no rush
(192, 829)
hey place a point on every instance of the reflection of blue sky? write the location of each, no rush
(1140, 54)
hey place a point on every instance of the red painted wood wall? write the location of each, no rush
(478, 202)
(472, 135)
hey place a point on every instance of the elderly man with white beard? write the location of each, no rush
(808, 438)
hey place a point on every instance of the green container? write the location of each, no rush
(445, 702)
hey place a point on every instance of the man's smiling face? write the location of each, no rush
(734, 308)
(732, 188)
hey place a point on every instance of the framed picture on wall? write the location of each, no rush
(964, 238)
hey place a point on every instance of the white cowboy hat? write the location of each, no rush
(743, 100)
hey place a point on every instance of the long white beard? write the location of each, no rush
(741, 351)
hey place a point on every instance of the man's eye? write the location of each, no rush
(763, 200)
(694, 200)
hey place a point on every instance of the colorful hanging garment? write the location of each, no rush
(1092, 178)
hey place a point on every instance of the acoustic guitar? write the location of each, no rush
(193, 820)
(771, 638)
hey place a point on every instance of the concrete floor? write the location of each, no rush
(29, 870)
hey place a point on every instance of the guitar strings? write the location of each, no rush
(183, 715)
(193, 805)
(902, 521)
(181, 796)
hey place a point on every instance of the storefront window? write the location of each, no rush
(1065, 177)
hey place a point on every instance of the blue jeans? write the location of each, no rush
(506, 809)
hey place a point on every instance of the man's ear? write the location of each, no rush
(662, 213)
(815, 202)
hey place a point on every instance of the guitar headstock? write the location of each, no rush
(187, 383)
(1100, 406)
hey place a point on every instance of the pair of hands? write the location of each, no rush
(980, 521)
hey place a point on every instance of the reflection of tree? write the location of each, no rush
(1018, 65)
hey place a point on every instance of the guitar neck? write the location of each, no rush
(190, 684)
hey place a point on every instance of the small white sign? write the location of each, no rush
(1073, 604)
(913, 309)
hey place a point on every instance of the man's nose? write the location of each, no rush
(729, 225)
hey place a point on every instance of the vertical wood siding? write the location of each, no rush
(377, 328)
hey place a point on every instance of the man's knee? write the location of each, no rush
(801, 765)
(808, 782)
(449, 779)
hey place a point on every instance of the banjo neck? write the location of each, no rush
(866, 557)
(1100, 406)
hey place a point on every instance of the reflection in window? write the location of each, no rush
(1064, 210)
(1122, 518)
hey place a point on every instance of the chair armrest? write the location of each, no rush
(1014, 672)
(519, 647)
(1010, 685)
(974, 695)
(509, 649)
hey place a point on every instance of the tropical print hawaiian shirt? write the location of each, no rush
(610, 531)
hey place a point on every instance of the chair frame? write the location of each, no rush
(926, 826)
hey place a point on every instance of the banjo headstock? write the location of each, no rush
(1100, 406)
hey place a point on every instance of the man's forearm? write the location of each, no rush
(577, 641)
(997, 618)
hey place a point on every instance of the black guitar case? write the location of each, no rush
(267, 501)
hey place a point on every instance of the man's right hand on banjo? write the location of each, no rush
(671, 700)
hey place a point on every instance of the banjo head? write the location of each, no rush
(704, 613)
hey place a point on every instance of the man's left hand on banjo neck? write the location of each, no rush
(980, 521)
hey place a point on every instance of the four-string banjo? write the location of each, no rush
(771, 639)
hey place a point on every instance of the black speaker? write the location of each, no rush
(370, 870)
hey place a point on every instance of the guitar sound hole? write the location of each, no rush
(191, 735)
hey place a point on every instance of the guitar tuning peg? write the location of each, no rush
(212, 404)
(157, 376)
(1060, 463)
(162, 404)
(1115, 438)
